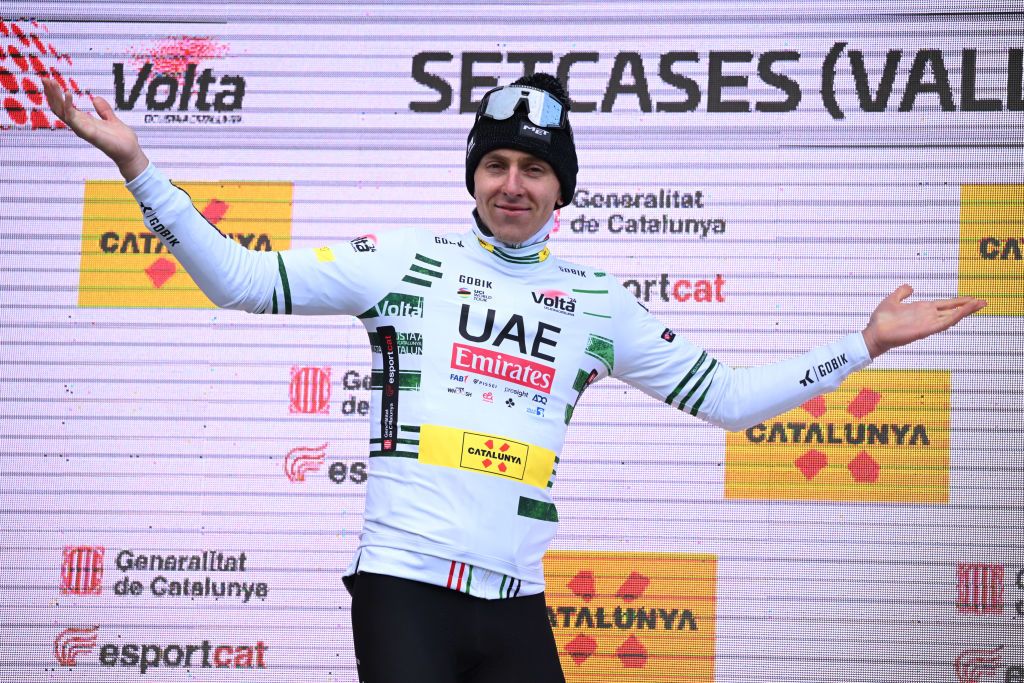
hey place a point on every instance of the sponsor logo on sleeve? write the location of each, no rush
(992, 247)
(883, 436)
(818, 372)
(633, 616)
(124, 263)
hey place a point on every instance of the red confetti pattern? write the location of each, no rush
(24, 60)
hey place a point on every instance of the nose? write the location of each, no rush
(513, 185)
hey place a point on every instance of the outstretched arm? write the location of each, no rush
(895, 322)
(686, 377)
(107, 133)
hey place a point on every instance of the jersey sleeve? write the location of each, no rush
(652, 358)
(342, 278)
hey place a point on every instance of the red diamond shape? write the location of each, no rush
(486, 462)
(504, 447)
(215, 211)
(810, 463)
(632, 653)
(634, 585)
(864, 468)
(583, 585)
(816, 406)
(160, 271)
(489, 444)
(581, 647)
(502, 466)
(863, 403)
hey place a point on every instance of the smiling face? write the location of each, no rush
(515, 193)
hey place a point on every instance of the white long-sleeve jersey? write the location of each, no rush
(480, 355)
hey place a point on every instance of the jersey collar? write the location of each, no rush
(534, 251)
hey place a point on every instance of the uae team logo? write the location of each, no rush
(883, 436)
(992, 247)
(27, 55)
(633, 617)
(125, 265)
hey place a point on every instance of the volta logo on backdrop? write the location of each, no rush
(992, 247)
(26, 56)
(124, 265)
(171, 76)
(633, 616)
(883, 436)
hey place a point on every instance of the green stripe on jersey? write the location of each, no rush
(682, 404)
(394, 454)
(416, 281)
(407, 379)
(424, 271)
(693, 370)
(284, 285)
(602, 349)
(537, 509)
(428, 261)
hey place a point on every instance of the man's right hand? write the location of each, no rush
(106, 133)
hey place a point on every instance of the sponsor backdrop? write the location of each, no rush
(183, 485)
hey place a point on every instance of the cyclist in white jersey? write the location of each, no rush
(483, 342)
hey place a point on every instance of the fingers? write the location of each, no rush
(899, 294)
(54, 98)
(103, 109)
(958, 302)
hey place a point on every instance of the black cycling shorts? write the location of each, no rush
(412, 632)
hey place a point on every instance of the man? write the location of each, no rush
(482, 345)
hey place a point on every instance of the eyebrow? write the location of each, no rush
(529, 158)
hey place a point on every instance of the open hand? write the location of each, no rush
(895, 322)
(107, 133)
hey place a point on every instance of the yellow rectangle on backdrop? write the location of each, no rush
(633, 617)
(124, 265)
(991, 244)
(883, 436)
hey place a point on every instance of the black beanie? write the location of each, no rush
(489, 134)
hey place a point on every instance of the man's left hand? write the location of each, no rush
(895, 322)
